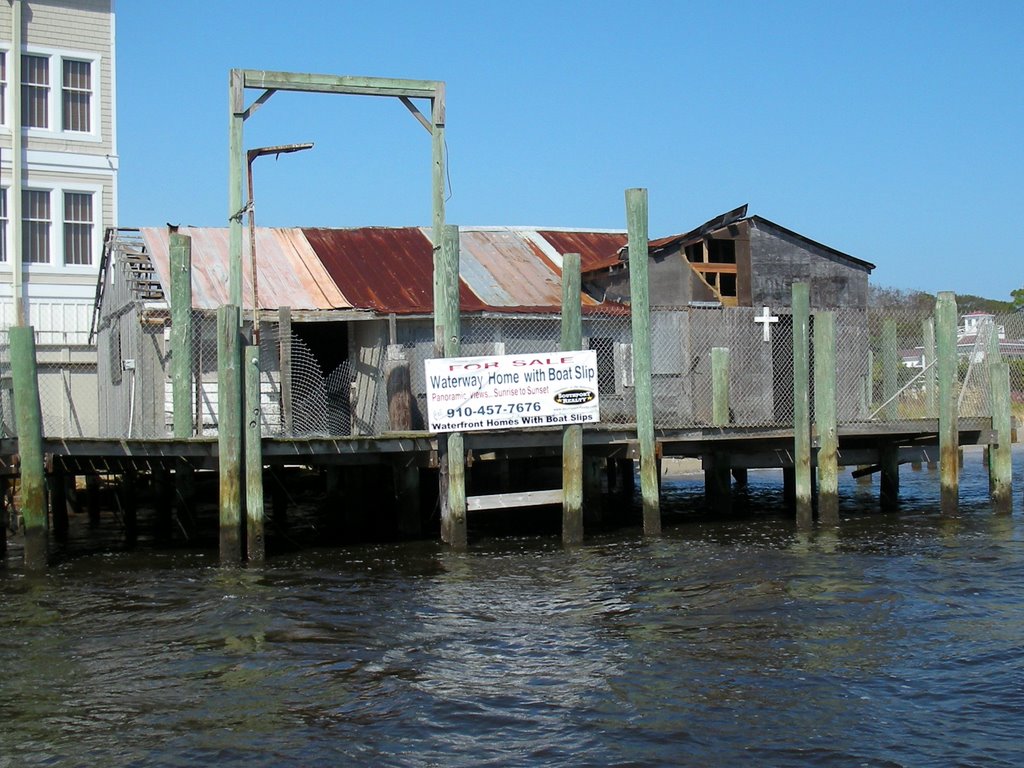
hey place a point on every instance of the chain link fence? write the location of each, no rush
(332, 378)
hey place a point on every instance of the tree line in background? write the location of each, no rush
(919, 301)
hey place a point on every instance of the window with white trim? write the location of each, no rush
(3, 87)
(35, 91)
(3, 224)
(78, 228)
(35, 227)
(76, 96)
(59, 93)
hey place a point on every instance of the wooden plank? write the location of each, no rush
(28, 419)
(572, 435)
(514, 500)
(640, 315)
(346, 84)
(236, 165)
(890, 370)
(720, 386)
(802, 404)
(946, 364)
(825, 417)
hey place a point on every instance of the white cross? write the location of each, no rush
(766, 318)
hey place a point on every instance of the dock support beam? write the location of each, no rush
(572, 435)
(1000, 455)
(255, 549)
(946, 364)
(229, 433)
(180, 254)
(802, 404)
(28, 418)
(640, 314)
(825, 417)
(447, 331)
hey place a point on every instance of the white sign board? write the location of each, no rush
(511, 391)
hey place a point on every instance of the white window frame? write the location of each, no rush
(55, 101)
(56, 264)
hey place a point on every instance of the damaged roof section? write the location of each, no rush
(387, 269)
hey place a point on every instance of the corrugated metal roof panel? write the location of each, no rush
(593, 247)
(290, 274)
(504, 268)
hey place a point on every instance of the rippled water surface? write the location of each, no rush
(897, 639)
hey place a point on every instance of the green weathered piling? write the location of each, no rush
(1000, 455)
(946, 364)
(825, 417)
(236, 166)
(802, 404)
(229, 432)
(28, 419)
(928, 334)
(572, 435)
(890, 370)
(255, 549)
(447, 331)
(640, 313)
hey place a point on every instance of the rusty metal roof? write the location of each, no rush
(388, 269)
(290, 274)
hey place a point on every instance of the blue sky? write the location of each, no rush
(891, 131)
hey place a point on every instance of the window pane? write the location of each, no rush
(77, 228)
(35, 236)
(35, 91)
(3, 87)
(3, 225)
(76, 95)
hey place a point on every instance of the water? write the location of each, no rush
(895, 640)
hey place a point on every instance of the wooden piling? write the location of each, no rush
(640, 314)
(946, 365)
(572, 435)
(28, 419)
(825, 417)
(890, 370)
(59, 503)
(447, 331)
(162, 504)
(182, 379)
(229, 433)
(889, 478)
(802, 404)
(255, 550)
(1000, 455)
(407, 498)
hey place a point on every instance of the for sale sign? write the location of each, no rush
(512, 391)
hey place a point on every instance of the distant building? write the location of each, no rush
(58, 175)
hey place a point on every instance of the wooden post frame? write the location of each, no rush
(450, 446)
(572, 434)
(640, 314)
(270, 83)
(802, 404)
(181, 333)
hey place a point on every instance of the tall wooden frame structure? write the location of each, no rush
(231, 405)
